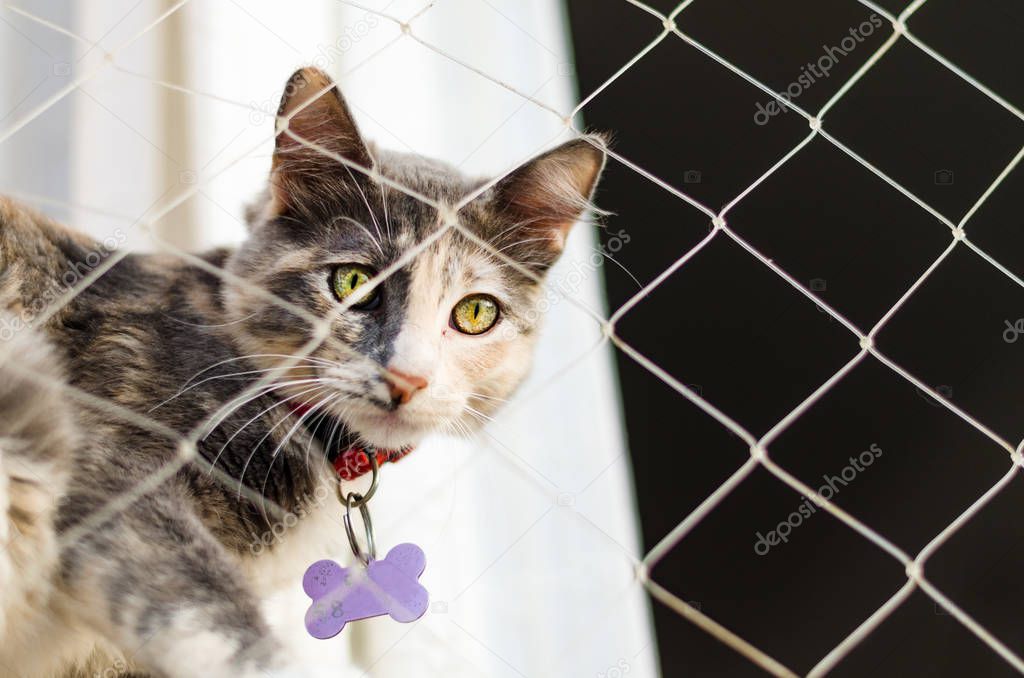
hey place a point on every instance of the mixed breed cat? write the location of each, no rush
(431, 343)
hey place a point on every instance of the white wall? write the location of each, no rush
(530, 529)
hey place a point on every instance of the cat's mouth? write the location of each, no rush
(368, 424)
(336, 434)
(388, 427)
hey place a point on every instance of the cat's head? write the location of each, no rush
(446, 335)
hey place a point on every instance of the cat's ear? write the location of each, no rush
(541, 199)
(313, 109)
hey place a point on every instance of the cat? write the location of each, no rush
(390, 347)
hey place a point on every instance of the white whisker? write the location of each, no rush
(526, 240)
(273, 456)
(380, 236)
(335, 424)
(484, 396)
(240, 401)
(256, 446)
(372, 239)
(384, 205)
(318, 361)
(225, 376)
(276, 404)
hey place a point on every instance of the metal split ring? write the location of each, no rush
(356, 499)
(353, 500)
(371, 548)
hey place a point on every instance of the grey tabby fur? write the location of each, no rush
(170, 583)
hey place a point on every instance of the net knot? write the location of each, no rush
(1017, 457)
(642, 572)
(187, 450)
(447, 215)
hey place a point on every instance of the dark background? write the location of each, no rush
(755, 348)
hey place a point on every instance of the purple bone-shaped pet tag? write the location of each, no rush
(343, 594)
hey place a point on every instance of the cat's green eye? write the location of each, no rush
(475, 314)
(346, 280)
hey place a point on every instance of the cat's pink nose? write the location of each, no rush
(403, 386)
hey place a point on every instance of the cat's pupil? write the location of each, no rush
(476, 310)
(353, 281)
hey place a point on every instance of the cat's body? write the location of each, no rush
(99, 574)
(135, 338)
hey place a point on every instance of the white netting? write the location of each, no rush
(914, 564)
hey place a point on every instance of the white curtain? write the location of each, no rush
(530, 529)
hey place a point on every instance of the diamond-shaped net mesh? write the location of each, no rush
(449, 220)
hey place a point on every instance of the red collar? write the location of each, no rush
(353, 462)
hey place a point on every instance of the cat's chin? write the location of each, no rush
(388, 430)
